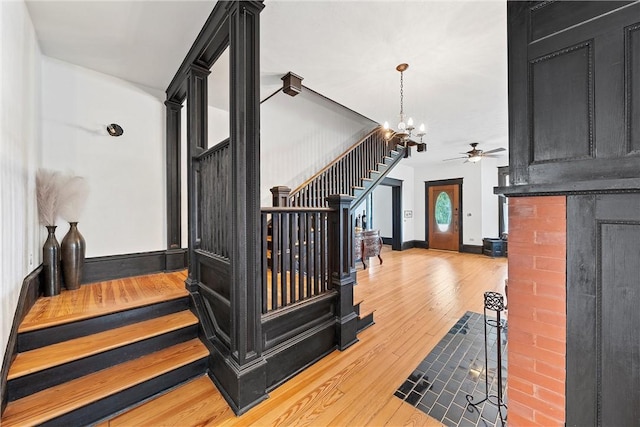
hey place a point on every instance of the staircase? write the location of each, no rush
(356, 172)
(78, 365)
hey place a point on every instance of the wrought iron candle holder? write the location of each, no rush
(493, 301)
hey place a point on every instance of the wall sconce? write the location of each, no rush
(115, 129)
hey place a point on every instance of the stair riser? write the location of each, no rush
(115, 403)
(29, 384)
(43, 337)
(365, 322)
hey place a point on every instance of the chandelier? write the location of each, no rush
(404, 134)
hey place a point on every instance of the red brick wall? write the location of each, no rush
(537, 311)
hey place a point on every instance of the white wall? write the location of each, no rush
(20, 234)
(489, 200)
(480, 218)
(471, 197)
(300, 135)
(383, 210)
(126, 211)
(407, 175)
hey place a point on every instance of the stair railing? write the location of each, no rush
(294, 255)
(344, 173)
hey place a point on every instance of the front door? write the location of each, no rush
(444, 216)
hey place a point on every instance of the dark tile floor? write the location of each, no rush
(454, 369)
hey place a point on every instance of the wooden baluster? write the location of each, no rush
(275, 258)
(285, 244)
(292, 256)
(310, 253)
(265, 244)
(317, 238)
(302, 260)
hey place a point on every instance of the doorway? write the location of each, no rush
(443, 223)
(387, 211)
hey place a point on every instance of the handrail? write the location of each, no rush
(217, 147)
(293, 209)
(340, 157)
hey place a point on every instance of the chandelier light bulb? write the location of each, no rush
(410, 122)
(385, 126)
(422, 128)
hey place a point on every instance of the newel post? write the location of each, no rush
(340, 264)
(280, 196)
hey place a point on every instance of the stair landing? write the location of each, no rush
(103, 298)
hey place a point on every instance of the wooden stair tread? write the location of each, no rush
(103, 298)
(67, 351)
(198, 401)
(64, 398)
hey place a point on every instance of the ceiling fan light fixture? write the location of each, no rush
(475, 159)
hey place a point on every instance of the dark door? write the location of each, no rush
(444, 217)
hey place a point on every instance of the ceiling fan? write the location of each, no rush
(475, 155)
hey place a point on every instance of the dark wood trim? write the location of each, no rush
(503, 173)
(173, 167)
(452, 181)
(111, 267)
(472, 249)
(387, 240)
(391, 182)
(609, 186)
(29, 293)
(396, 211)
(414, 244)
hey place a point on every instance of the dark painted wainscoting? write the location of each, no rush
(126, 265)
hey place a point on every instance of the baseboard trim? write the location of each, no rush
(472, 249)
(29, 293)
(118, 266)
(387, 240)
(414, 244)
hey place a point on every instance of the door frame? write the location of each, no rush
(427, 185)
(396, 211)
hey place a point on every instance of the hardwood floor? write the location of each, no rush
(417, 296)
(101, 298)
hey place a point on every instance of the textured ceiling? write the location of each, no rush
(346, 50)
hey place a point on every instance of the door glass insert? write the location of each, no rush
(443, 211)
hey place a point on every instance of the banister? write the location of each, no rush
(219, 146)
(338, 159)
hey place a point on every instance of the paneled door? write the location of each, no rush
(444, 216)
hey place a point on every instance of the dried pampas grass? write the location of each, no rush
(47, 195)
(73, 196)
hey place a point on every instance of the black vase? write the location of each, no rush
(51, 263)
(73, 249)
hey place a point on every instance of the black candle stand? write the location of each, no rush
(493, 301)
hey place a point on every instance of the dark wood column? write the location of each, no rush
(245, 182)
(173, 175)
(196, 144)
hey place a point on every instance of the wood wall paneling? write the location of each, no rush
(602, 316)
(573, 90)
(561, 93)
(632, 92)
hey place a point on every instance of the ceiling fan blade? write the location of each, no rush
(493, 156)
(454, 158)
(495, 150)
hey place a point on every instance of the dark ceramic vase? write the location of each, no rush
(73, 249)
(51, 263)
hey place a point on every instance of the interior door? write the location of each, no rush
(444, 217)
